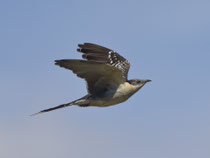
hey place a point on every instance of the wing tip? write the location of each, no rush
(61, 61)
(57, 62)
(79, 50)
(80, 45)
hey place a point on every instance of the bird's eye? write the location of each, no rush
(138, 82)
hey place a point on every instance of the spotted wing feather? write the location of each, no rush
(93, 52)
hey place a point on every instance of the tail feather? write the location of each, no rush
(54, 108)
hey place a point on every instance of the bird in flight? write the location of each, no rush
(106, 75)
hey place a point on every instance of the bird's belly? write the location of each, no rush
(109, 101)
(105, 102)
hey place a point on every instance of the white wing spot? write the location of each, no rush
(110, 52)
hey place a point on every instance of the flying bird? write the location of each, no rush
(106, 75)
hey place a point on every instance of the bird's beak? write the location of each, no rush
(147, 81)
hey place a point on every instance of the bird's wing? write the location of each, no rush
(102, 69)
(93, 52)
(99, 76)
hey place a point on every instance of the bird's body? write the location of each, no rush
(105, 72)
(110, 97)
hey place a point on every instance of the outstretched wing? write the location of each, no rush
(102, 69)
(93, 52)
(98, 76)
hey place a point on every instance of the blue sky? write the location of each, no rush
(165, 41)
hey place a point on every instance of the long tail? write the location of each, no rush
(54, 108)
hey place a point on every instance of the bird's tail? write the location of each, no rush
(54, 108)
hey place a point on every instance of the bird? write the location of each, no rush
(106, 75)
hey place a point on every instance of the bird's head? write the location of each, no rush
(137, 83)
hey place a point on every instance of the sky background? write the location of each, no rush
(165, 41)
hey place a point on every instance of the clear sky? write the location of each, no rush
(165, 41)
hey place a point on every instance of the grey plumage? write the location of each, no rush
(106, 74)
(95, 73)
